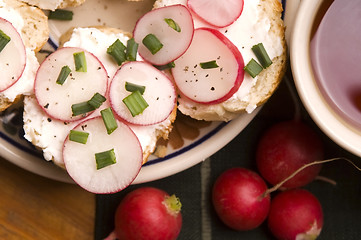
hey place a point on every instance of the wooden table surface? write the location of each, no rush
(34, 207)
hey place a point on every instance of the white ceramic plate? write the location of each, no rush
(121, 14)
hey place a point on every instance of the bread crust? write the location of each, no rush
(63, 4)
(35, 32)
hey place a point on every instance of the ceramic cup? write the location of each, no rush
(301, 17)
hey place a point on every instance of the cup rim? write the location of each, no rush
(330, 122)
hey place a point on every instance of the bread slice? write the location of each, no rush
(37, 124)
(32, 24)
(54, 4)
(253, 92)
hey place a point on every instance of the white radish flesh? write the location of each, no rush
(214, 85)
(217, 13)
(57, 99)
(174, 43)
(159, 93)
(80, 163)
(12, 56)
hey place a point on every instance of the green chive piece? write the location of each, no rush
(167, 66)
(109, 120)
(135, 103)
(171, 23)
(152, 43)
(132, 87)
(132, 49)
(253, 68)
(81, 108)
(208, 65)
(80, 62)
(117, 51)
(78, 136)
(262, 55)
(104, 159)
(64, 73)
(61, 14)
(97, 100)
(4, 40)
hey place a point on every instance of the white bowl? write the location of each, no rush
(330, 122)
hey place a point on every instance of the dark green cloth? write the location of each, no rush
(340, 202)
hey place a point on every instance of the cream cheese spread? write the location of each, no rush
(50, 134)
(249, 29)
(24, 86)
(45, 4)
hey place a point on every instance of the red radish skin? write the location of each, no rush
(209, 86)
(217, 13)
(284, 148)
(175, 43)
(55, 99)
(148, 213)
(12, 56)
(238, 199)
(160, 93)
(295, 214)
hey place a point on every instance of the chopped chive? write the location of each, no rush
(81, 108)
(64, 73)
(61, 14)
(104, 159)
(135, 103)
(132, 49)
(262, 55)
(4, 40)
(80, 62)
(171, 23)
(152, 43)
(97, 100)
(78, 136)
(109, 120)
(253, 68)
(167, 66)
(117, 51)
(208, 65)
(132, 87)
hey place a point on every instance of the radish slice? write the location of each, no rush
(56, 99)
(12, 56)
(174, 43)
(213, 85)
(159, 93)
(80, 163)
(217, 13)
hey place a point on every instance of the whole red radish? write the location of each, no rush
(148, 213)
(284, 148)
(295, 214)
(238, 199)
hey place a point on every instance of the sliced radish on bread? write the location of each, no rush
(12, 55)
(156, 93)
(217, 13)
(164, 34)
(211, 70)
(60, 99)
(93, 173)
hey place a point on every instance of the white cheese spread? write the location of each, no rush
(249, 29)
(45, 4)
(24, 86)
(50, 134)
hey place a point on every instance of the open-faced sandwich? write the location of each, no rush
(104, 98)
(24, 31)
